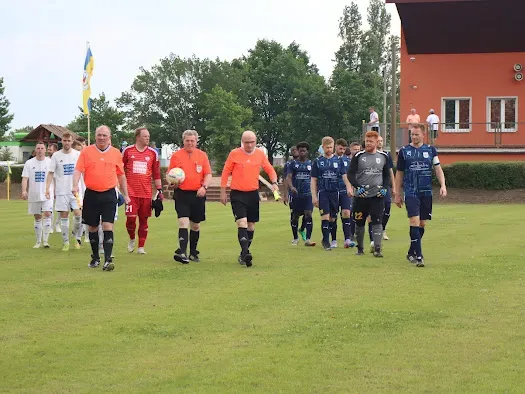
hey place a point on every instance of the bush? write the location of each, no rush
(485, 175)
(16, 174)
(3, 174)
(278, 170)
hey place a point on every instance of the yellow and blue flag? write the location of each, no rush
(86, 81)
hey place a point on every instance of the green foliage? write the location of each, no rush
(16, 174)
(3, 174)
(278, 171)
(6, 154)
(227, 120)
(102, 113)
(5, 116)
(485, 175)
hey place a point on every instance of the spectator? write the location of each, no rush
(433, 124)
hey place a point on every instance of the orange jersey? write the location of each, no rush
(195, 166)
(245, 169)
(100, 168)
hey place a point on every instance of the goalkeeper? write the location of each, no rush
(369, 173)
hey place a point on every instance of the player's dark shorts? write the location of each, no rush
(245, 205)
(188, 205)
(329, 203)
(290, 201)
(375, 128)
(419, 206)
(345, 202)
(301, 204)
(388, 197)
(97, 205)
(363, 207)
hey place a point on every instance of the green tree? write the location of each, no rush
(226, 120)
(5, 117)
(168, 98)
(350, 31)
(273, 75)
(102, 113)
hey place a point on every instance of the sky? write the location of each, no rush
(43, 43)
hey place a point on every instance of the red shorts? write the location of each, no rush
(139, 206)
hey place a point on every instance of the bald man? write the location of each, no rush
(244, 165)
(102, 168)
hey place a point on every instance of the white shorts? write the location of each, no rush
(66, 203)
(36, 208)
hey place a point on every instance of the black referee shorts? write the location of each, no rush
(188, 205)
(99, 204)
(372, 206)
(245, 205)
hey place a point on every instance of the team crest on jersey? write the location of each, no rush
(199, 168)
(335, 165)
(309, 168)
(147, 158)
(378, 160)
(425, 155)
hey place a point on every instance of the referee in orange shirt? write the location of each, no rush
(244, 165)
(190, 195)
(102, 167)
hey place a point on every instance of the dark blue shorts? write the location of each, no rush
(301, 204)
(290, 201)
(329, 203)
(419, 206)
(345, 202)
(388, 197)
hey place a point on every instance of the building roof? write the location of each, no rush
(44, 131)
(462, 26)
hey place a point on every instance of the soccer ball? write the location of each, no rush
(175, 176)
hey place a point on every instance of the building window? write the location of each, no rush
(502, 114)
(456, 114)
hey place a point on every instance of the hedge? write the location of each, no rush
(485, 175)
(3, 174)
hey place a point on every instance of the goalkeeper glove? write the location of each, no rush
(382, 192)
(360, 192)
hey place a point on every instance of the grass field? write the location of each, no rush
(299, 320)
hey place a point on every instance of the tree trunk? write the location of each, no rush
(270, 154)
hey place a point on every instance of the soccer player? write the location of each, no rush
(78, 145)
(61, 173)
(244, 165)
(51, 150)
(287, 194)
(388, 197)
(369, 174)
(414, 173)
(326, 171)
(34, 175)
(298, 180)
(345, 202)
(141, 164)
(102, 167)
(190, 195)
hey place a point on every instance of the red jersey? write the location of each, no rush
(140, 168)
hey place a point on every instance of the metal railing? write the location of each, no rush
(460, 135)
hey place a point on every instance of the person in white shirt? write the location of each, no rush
(78, 145)
(374, 120)
(34, 176)
(52, 148)
(433, 124)
(61, 169)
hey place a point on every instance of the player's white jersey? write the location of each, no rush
(36, 172)
(63, 165)
(81, 188)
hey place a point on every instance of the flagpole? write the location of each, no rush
(89, 129)
(89, 110)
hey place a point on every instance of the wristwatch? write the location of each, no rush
(205, 187)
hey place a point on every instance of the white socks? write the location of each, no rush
(38, 230)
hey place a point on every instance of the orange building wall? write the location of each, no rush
(449, 158)
(468, 75)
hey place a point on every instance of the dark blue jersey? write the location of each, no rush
(301, 176)
(345, 162)
(416, 164)
(327, 171)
